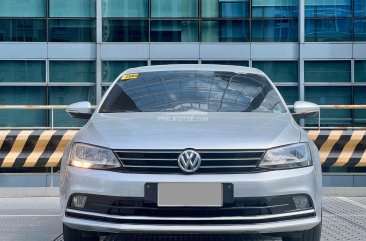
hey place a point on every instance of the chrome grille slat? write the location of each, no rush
(147, 159)
(170, 167)
(233, 151)
(174, 159)
(166, 161)
(142, 151)
(206, 167)
(232, 159)
(179, 151)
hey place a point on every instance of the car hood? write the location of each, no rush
(190, 130)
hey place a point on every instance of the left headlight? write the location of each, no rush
(286, 157)
(87, 156)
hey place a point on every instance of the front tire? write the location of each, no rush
(307, 235)
(71, 234)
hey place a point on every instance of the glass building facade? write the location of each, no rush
(55, 52)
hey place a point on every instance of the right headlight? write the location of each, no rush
(287, 157)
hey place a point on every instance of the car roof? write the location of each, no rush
(201, 67)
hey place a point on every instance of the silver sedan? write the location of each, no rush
(192, 149)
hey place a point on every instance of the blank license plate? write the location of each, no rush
(190, 195)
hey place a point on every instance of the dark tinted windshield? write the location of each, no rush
(207, 91)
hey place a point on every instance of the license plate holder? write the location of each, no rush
(151, 195)
(190, 195)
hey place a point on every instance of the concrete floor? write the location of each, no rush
(38, 219)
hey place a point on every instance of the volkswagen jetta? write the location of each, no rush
(191, 149)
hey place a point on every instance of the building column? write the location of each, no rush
(301, 58)
(98, 61)
(301, 43)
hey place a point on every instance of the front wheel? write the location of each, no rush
(71, 234)
(307, 235)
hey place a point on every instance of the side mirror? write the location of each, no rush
(81, 110)
(304, 109)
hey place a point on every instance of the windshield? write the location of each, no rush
(208, 91)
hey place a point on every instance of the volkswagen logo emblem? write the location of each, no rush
(189, 161)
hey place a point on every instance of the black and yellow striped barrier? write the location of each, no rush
(340, 147)
(45, 148)
(33, 148)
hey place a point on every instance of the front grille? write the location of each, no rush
(241, 207)
(213, 161)
(242, 210)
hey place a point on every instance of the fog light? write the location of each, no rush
(78, 201)
(301, 202)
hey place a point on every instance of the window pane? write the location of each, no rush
(359, 8)
(328, 30)
(71, 30)
(210, 31)
(234, 9)
(163, 62)
(111, 69)
(233, 31)
(210, 8)
(360, 29)
(72, 71)
(329, 96)
(23, 30)
(327, 71)
(289, 93)
(174, 8)
(225, 31)
(22, 71)
(104, 89)
(174, 31)
(227, 62)
(279, 71)
(360, 71)
(21, 8)
(22, 96)
(280, 30)
(125, 31)
(225, 8)
(65, 95)
(360, 99)
(275, 8)
(328, 8)
(125, 8)
(72, 8)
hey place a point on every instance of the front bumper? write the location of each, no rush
(275, 183)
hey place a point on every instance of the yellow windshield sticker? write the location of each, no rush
(129, 76)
